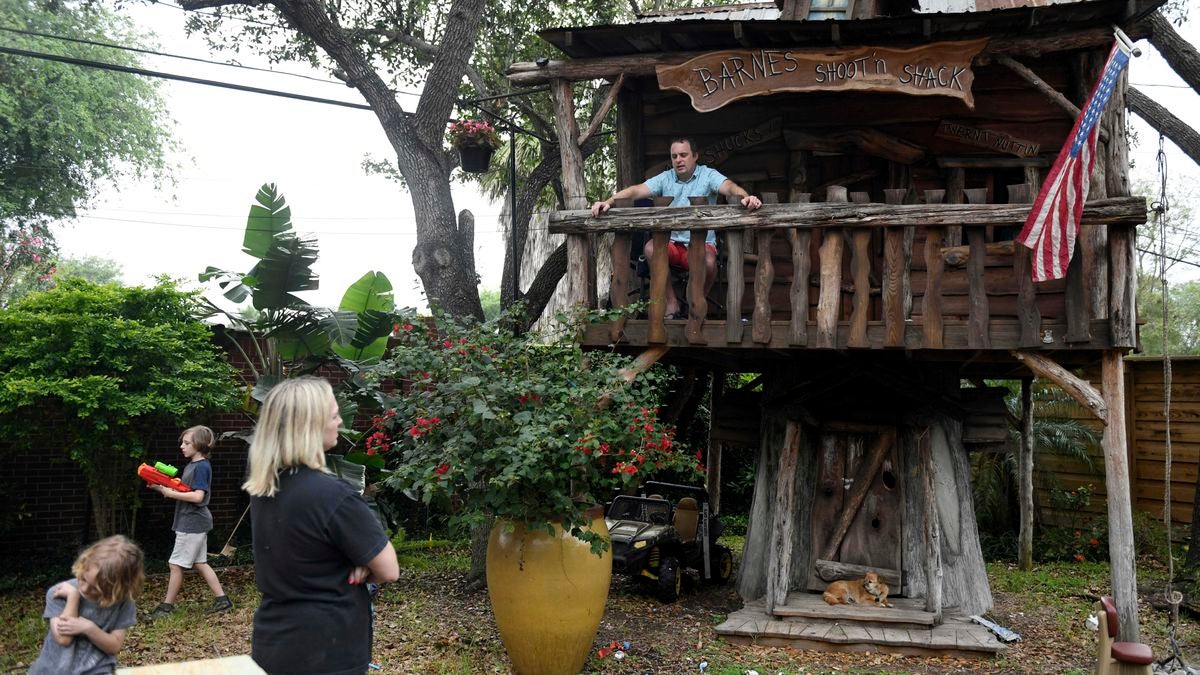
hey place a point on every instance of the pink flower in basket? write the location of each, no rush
(473, 133)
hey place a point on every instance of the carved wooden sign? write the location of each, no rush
(985, 138)
(721, 150)
(716, 79)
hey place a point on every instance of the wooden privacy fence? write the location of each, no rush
(1146, 443)
(860, 265)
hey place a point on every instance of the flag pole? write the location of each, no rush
(1126, 41)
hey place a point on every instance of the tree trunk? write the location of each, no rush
(477, 576)
(1165, 123)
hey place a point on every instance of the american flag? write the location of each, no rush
(1053, 221)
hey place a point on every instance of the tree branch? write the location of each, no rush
(544, 284)
(1165, 123)
(1176, 51)
(431, 51)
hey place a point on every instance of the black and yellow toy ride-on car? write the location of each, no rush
(666, 533)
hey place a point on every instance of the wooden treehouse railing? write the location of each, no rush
(889, 246)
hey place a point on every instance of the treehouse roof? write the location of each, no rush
(739, 26)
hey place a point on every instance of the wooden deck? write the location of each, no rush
(806, 622)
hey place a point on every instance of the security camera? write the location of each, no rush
(542, 61)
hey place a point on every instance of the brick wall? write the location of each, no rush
(50, 496)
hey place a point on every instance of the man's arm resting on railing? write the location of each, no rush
(639, 191)
(732, 189)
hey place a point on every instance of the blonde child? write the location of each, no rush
(192, 523)
(90, 613)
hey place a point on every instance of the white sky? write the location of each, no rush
(232, 142)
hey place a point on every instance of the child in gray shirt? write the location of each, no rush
(90, 613)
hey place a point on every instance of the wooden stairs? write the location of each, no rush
(806, 622)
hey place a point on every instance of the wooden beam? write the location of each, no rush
(712, 469)
(764, 278)
(1070, 109)
(629, 373)
(529, 73)
(1077, 388)
(660, 276)
(821, 215)
(800, 243)
(735, 286)
(1025, 478)
(574, 189)
(602, 111)
(1120, 510)
(779, 551)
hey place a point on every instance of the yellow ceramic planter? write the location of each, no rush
(548, 595)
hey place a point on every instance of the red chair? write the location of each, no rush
(1118, 658)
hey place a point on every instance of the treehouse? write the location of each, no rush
(897, 151)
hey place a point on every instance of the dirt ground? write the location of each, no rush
(428, 623)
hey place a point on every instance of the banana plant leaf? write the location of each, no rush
(285, 269)
(269, 217)
(370, 298)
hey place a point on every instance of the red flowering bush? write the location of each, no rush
(473, 132)
(518, 428)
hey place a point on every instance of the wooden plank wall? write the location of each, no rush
(1147, 431)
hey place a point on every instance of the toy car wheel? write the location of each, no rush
(722, 565)
(670, 581)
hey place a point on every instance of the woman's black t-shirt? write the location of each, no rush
(307, 538)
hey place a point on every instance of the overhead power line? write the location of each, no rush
(87, 63)
(196, 59)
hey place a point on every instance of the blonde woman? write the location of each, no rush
(316, 542)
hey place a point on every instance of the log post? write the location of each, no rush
(897, 262)
(629, 172)
(956, 181)
(801, 264)
(764, 277)
(935, 265)
(1122, 310)
(1025, 478)
(829, 304)
(978, 330)
(779, 554)
(932, 531)
(574, 191)
(712, 468)
(860, 267)
(735, 286)
(1078, 318)
(660, 276)
(618, 291)
(1120, 510)
(697, 273)
(1027, 309)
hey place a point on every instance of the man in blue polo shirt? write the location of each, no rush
(684, 179)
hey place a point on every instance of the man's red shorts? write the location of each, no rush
(677, 254)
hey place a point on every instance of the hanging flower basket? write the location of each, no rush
(475, 140)
(475, 158)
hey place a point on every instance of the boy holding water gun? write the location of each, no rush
(192, 522)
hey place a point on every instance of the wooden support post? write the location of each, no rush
(779, 553)
(956, 181)
(1025, 478)
(801, 265)
(932, 530)
(935, 265)
(897, 267)
(579, 271)
(712, 469)
(618, 292)
(1077, 388)
(1120, 510)
(660, 276)
(829, 303)
(858, 491)
(764, 278)
(1078, 320)
(978, 330)
(860, 267)
(1122, 308)
(697, 272)
(735, 286)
